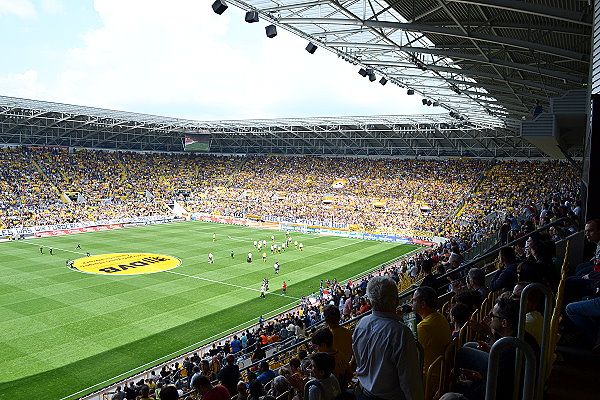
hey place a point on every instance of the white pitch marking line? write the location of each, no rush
(50, 247)
(229, 284)
(193, 345)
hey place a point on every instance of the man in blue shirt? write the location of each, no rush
(266, 375)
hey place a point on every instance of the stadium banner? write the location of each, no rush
(387, 238)
(33, 230)
(78, 230)
(197, 141)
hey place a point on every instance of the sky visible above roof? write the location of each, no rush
(178, 59)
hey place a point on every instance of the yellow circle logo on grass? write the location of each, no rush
(125, 263)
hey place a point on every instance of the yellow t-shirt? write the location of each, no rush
(342, 340)
(434, 335)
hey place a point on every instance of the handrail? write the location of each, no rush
(548, 299)
(489, 253)
(493, 367)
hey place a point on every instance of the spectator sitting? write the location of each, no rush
(255, 390)
(506, 276)
(208, 391)
(385, 351)
(459, 315)
(280, 386)
(265, 374)
(433, 332)
(242, 391)
(534, 320)
(476, 281)
(169, 393)
(322, 385)
(472, 359)
(119, 394)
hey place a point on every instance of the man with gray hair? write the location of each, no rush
(476, 281)
(385, 351)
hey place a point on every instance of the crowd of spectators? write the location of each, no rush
(401, 196)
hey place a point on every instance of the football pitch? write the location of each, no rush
(65, 333)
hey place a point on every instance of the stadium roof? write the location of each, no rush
(487, 60)
(39, 123)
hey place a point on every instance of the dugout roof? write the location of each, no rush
(40, 123)
(487, 60)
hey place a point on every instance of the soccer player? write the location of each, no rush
(264, 243)
(262, 291)
(210, 258)
(232, 254)
(276, 267)
(67, 264)
(214, 237)
(296, 244)
(300, 246)
(78, 246)
(279, 249)
(87, 254)
(272, 238)
(50, 250)
(284, 287)
(255, 243)
(283, 246)
(41, 250)
(264, 257)
(249, 259)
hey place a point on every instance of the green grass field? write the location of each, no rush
(64, 333)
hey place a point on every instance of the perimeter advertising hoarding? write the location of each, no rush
(196, 141)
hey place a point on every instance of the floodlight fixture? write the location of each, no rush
(383, 81)
(424, 101)
(372, 77)
(410, 92)
(271, 31)
(251, 16)
(362, 72)
(219, 6)
(311, 48)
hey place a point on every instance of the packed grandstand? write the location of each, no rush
(461, 201)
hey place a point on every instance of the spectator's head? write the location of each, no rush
(242, 388)
(383, 294)
(530, 272)
(295, 365)
(323, 339)
(302, 354)
(504, 317)
(507, 255)
(202, 384)
(145, 390)
(427, 265)
(476, 278)
(169, 393)
(470, 298)
(322, 365)
(263, 366)
(332, 315)
(459, 315)
(424, 301)
(230, 359)
(280, 384)
(534, 297)
(256, 389)
(592, 230)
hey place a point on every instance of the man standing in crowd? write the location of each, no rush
(433, 332)
(387, 363)
(230, 375)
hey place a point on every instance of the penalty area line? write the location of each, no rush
(230, 284)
